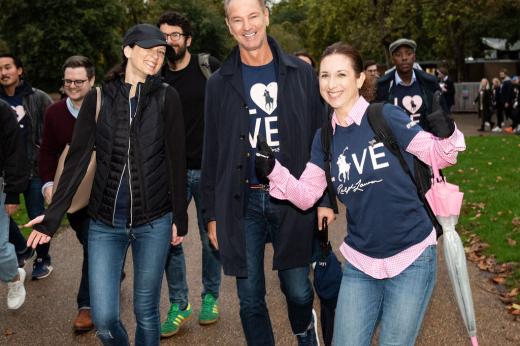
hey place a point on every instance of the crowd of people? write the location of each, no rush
(501, 98)
(243, 138)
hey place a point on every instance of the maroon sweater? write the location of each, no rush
(57, 133)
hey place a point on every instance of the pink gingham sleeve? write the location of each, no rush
(444, 151)
(303, 192)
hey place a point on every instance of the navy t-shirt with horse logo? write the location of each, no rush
(261, 90)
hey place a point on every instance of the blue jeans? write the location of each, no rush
(8, 261)
(262, 222)
(397, 303)
(34, 203)
(107, 247)
(176, 265)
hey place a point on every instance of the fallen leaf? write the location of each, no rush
(511, 242)
(490, 163)
(516, 312)
(8, 332)
(515, 306)
(499, 280)
(514, 292)
(516, 221)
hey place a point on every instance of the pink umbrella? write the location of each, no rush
(446, 201)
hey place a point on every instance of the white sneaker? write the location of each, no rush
(496, 129)
(487, 126)
(517, 130)
(16, 292)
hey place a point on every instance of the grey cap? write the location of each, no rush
(402, 42)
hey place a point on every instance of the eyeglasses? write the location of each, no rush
(79, 82)
(174, 36)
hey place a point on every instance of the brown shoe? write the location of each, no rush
(83, 322)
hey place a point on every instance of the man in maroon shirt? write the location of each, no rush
(78, 80)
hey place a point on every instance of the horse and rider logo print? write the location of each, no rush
(265, 97)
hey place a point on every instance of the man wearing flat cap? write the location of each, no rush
(406, 86)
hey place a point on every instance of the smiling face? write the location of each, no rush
(247, 21)
(10, 75)
(339, 83)
(78, 74)
(180, 45)
(403, 59)
(143, 62)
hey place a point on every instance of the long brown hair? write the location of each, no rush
(369, 85)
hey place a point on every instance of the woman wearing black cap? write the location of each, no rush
(138, 197)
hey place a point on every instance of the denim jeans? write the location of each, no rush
(79, 222)
(107, 247)
(262, 222)
(176, 265)
(398, 304)
(34, 203)
(8, 261)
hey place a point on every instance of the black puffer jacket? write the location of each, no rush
(153, 148)
(35, 102)
(13, 161)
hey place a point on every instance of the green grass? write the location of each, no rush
(488, 173)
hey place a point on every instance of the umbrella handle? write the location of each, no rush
(474, 341)
(433, 163)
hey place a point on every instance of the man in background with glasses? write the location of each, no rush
(78, 80)
(29, 105)
(188, 73)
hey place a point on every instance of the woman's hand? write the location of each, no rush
(36, 238)
(176, 240)
(212, 234)
(325, 212)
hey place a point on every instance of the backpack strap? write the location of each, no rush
(384, 134)
(326, 140)
(205, 68)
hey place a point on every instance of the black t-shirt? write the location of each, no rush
(190, 83)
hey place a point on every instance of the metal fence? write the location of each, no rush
(465, 94)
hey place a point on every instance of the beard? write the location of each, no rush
(174, 56)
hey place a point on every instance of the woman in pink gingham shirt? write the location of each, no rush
(391, 244)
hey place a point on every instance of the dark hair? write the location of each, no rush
(175, 19)
(118, 71)
(443, 70)
(369, 63)
(16, 60)
(307, 55)
(368, 88)
(80, 61)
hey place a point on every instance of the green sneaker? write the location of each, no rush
(174, 321)
(209, 310)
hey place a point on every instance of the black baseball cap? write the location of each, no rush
(145, 36)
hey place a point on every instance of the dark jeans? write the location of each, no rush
(34, 204)
(262, 222)
(176, 265)
(79, 222)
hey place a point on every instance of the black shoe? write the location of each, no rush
(25, 256)
(481, 129)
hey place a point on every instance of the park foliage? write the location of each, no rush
(44, 33)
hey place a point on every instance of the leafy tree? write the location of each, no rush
(44, 33)
(210, 33)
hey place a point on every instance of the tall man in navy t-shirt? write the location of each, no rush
(187, 73)
(260, 92)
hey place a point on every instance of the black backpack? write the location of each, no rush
(383, 134)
